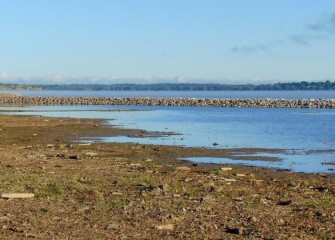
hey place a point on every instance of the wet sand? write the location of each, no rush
(132, 191)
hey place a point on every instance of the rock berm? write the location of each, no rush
(17, 99)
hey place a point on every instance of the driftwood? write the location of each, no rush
(17, 195)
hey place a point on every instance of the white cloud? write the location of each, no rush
(4, 76)
(56, 78)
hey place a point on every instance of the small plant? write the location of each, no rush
(74, 185)
(327, 202)
(248, 206)
(121, 202)
(218, 172)
(52, 189)
(48, 209)
(193, 192)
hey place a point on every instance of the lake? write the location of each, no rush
(307, 135)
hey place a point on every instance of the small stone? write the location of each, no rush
(164, 187)
(84, 209)
(90, 154)
(84, 144)
(183, 168)
(74, 157)
(165, 227)
(226, 169)
(117, 193)
(82, 180)
(284, 202)
(230, 180)
(240, 175)
(218, 189)
(94, 193)
(157, 191)
(238, 199)
(258, 180)
(253, 219)
(206, 199)
(233, 230)
(113, 226)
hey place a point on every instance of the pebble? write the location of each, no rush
(240, 175)
(90, 154)
(183, 168)
(113, 226)
(206, 199)
(230, 180)
(284, 202)
(84, 144)
(117, 193)
(232, 230)
(165, 227)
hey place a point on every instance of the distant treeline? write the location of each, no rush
(326, 85)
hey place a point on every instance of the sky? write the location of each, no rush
(158, 41)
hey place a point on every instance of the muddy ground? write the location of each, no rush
(129, 191)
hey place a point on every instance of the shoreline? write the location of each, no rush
(119, 191)
(17, 99)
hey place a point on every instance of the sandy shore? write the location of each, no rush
(130, 191)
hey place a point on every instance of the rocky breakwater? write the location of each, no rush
(16, 99)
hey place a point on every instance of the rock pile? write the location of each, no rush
(16, 99)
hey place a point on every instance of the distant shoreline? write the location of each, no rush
(292, 86)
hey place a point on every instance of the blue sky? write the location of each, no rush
(146, 41)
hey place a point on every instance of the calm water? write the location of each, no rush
(299, 129)
(299, 162)
(194, 94)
